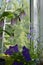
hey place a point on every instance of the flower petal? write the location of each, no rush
(26, 54)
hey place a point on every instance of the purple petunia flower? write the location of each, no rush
(12, 49)
(17, 63)
(8, 52)
(26, 54)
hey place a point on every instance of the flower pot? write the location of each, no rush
(2, 61)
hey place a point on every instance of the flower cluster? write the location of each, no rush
(26, 54)
(20, 58)
(11, 50)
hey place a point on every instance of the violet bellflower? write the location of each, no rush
(12, 49)
(28, 36)
(26, 54)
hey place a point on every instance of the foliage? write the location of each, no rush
(18, 33)
(21, 28)
(21, 58)
(10, 14)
